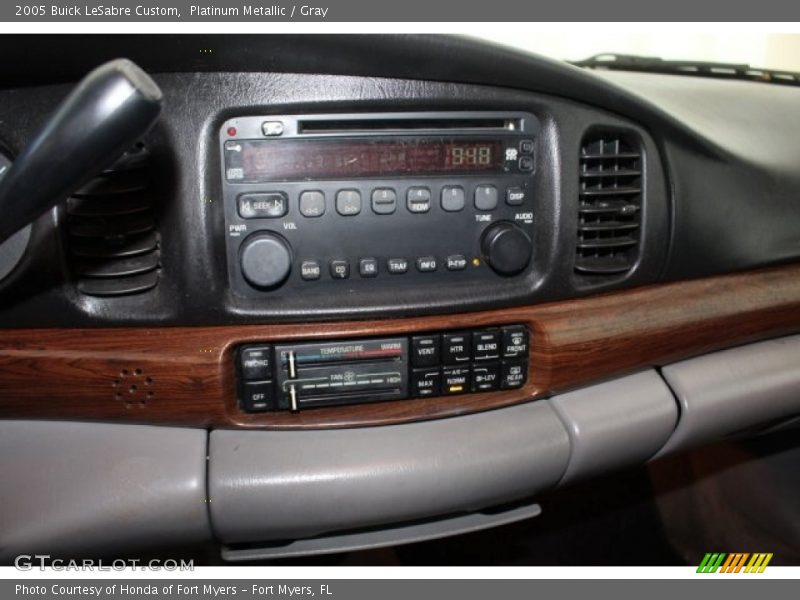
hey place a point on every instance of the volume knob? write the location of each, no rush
(265, 260)
(506, 247)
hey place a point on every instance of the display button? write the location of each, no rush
(425, 350)
(310, 270)
(368, 267)
(426, 264)
(486, 377)
(515, 196)
(456, 380)
(426, 382)
(486, 345)
(456, 262)
(384, 201)
(526, 146)
(515, 341)
(340, 269)
(513, 373)
(526, 164)
(397, 266)
(418, 199)
(485, 197)
(257, 395)
(453, 198)
(456, 348)
(348, 202)
(263, 205)
(256, 362)
(312, 203)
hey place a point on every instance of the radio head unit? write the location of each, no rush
(316, 203)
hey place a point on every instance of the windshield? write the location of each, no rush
(776, 51)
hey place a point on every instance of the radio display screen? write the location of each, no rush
(254, 161)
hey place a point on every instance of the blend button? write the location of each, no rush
(426, 264)
(486, 345)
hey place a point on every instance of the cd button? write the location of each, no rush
(485, 197)
(263, 205)
(348, 202)
(312, 204)
(426, 264)
(384, 201)
(397, 266)
(453, 198)
(426, 382)
(456, 262)
(310, 270)
(368, 267)
(515, 196)
(418, 199)
(340, 269)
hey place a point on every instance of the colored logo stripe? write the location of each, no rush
(734, 562)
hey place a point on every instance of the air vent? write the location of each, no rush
(111, 230)
(610, 205)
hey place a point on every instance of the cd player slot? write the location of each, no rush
(314, 126)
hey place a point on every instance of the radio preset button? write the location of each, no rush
(456, 262)
(486, 377)
(384, 201)
(397, 266)
(256, 362)
(513, 373)
(368, 267)
(515, 196)
(340, 269)
(348, 202)
(456, 380)
(453, 198)
(426, 264)
(418, 199)
(310, 270)
(263, 205)
(485, 197)
(425, 350)
(426, 382)
(456, 348)
(526, 146)
(526, 164)
(515, 341)
(312, 203)
(486, 345)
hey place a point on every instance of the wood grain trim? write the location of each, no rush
(185, 376)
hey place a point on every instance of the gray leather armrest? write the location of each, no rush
(85, 489)
(276, 485)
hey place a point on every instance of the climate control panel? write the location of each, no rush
(289, 377)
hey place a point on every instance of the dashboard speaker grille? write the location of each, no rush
(609, 213)
(113, 239)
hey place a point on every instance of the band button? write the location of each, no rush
(310, 270)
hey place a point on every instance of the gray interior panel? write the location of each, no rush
(390, 536)
(284, 485)
(88, 489)
(726, 392)
(616, 423)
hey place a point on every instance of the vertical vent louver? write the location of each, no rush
(610, 205)
(111, 230)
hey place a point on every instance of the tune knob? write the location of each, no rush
(265, 260)
(506, 247)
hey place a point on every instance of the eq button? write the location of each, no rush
(486, 345)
